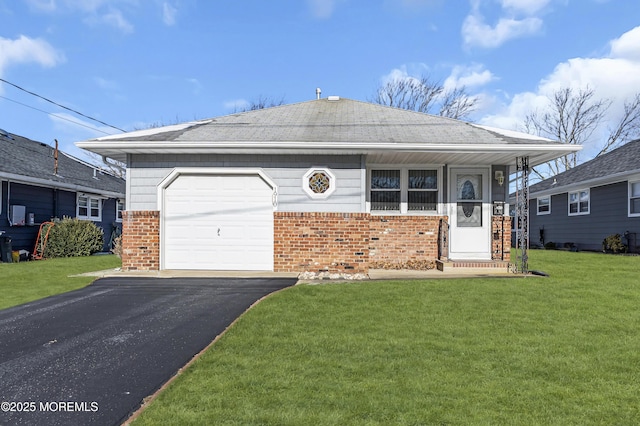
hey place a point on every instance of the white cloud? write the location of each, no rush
(528, 7)
(614, 76)
(236, 104)
(105, 84)
(322, 9)
(94, 11)
(42, 5)
(468, 76)
(476, 33)
(115, 19)
(627, 46)
(27, 50)
(516, 19)
(169, 14)
(196, 85)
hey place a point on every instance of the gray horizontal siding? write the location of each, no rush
(45, 204)
(608, 215)
(145, 172)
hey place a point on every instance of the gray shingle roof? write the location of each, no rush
(338, 127)
(22, 157)
(619, 162)
(343, 120)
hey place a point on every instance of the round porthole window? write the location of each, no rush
(318, 183)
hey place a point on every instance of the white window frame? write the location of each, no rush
(90, 198)
(404, 189)
(328, 173)
(119, 201)
(540, 213)
(631, 197)
(579, 193)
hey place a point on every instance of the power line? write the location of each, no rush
(56, 115)
(61, 106)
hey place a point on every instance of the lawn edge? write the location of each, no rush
(146, 401)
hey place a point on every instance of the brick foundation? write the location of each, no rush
(346, 243)
(321, 242)
(404, 242)
(140, 240)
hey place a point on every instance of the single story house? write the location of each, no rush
(39, 182)
(329, 185)
(582, 206)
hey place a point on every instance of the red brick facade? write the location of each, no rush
(321, 242)
(501, 238)
(141, 240)
(347, 243)
(404, 242)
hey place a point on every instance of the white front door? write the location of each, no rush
(470, 216)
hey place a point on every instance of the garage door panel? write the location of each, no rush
(218, 223)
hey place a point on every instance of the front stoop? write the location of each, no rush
(442, 265)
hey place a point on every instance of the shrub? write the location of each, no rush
(550, 245)
(117, 246)
(613, 243)
(73, 238)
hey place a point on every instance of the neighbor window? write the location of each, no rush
(119, 210)
(89, 208)
(579, 202)
(544, 205)
(404, 190)
(634, 198)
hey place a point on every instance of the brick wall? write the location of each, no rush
(141, 240)
(501, 238)
(407, 242)
(321, 242)
(348, 243)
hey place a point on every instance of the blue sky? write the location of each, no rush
(137, 63)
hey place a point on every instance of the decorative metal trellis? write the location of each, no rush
(522, 215)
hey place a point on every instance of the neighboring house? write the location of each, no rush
(331, 185)
(38, 183)
(579, 208)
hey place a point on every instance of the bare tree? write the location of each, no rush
(572, 117)
(260, 103)
(628, 127)
(425, 95)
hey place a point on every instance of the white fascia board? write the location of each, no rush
(301, 146)
(13, 178)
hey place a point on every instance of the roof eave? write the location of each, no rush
(590, 183)
(119, 149)
(28, 180)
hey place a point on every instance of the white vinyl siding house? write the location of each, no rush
(327, 172)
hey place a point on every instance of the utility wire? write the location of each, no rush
(61, 106)
(56, 115)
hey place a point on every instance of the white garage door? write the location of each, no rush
(222, 222)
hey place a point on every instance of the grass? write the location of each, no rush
(27, 281)
(562, 350)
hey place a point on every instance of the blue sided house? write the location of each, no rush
(38, 183)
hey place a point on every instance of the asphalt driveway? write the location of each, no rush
(90, 356)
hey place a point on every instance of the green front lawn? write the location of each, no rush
(26, 281)
(562, 350)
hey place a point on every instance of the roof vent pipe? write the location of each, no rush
(318, 92)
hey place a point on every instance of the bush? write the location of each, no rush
(117, 246)
(73, 238)
(613, 243)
